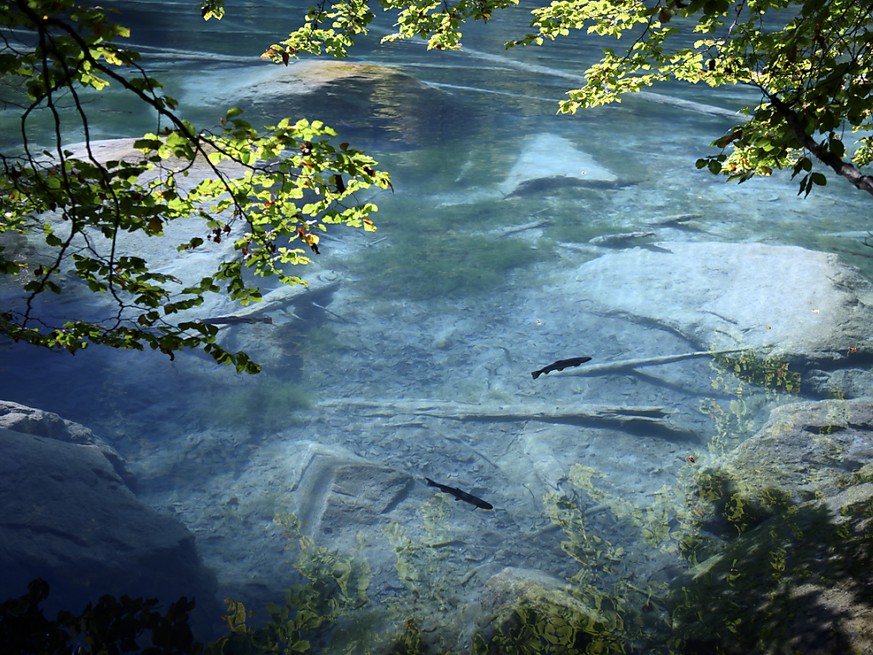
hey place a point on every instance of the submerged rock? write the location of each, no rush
(841, 383)
(536, 612)
(548, 162)
(280, 303)
(67, 516)
(622, 240)
(411, 537)
(795, 303)
(29, 420)
(794, 502)
(336, 493)
(333, 494)
(188, 266)
(304, 77)
(375, 106)
(805, 450)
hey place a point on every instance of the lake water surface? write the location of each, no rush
(442, 313)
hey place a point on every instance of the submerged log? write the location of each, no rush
(470, 412)
(629, 364)
(643, 420)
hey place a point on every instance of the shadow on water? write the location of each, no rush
(119, 394)
(796, 581)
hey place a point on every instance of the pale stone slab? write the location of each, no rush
(799, 303)
(550, 161)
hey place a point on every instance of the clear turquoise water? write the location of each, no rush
(436, 305)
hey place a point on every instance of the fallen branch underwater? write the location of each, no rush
(648, 420)
(642, 420)
(471, 412)
(628, 364)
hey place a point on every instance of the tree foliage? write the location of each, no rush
(811, 62)
(270, 192)
(267, 192)
(109, 625)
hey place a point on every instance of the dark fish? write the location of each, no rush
(460, 495)
(560, 365)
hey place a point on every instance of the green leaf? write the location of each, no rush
(112, 200)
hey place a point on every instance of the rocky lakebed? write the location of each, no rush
(715, 452)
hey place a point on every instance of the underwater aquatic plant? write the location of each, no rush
(755, 383)
(334, 588)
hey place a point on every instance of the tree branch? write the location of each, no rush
(838, 165)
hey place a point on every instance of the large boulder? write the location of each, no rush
(30, 420)
(548, 162)
(798, 304)
(369, 104)
(67, 516)
(805, 450)
(792, 507)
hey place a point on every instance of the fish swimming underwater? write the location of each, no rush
(460, 495)
(560, 365)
